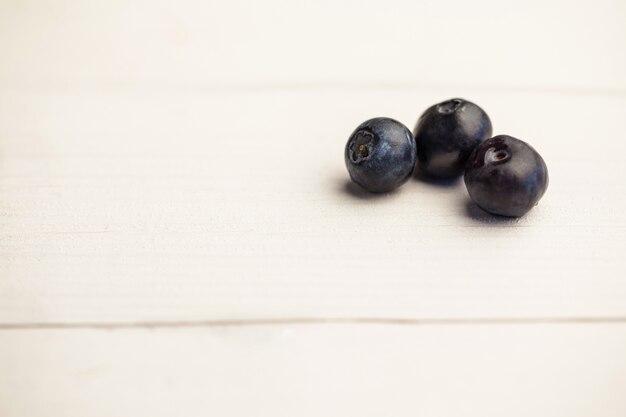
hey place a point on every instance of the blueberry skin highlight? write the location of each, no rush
(506, 176)
(446, 134)
(380, 154)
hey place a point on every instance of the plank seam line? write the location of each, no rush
(313, 321)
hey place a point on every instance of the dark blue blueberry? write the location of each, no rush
(446, 134)
(506, 176)
(380, 154)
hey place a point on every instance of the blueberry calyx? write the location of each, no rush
(360, 148)
(450, 106)
(496, 156)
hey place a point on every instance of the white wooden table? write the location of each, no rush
(178, 235)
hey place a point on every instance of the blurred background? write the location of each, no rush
(550, 44)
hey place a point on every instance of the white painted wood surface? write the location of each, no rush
(241, 43)
(542, 370)
(233, 205)
(178, 234)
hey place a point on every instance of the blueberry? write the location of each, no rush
(506, 176)
(380, 154)
(446, 134)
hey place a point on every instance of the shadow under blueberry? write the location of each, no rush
(353, 190)
(477, 214)
(436, 182)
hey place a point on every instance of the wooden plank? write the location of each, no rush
(533, 43)
(330, 370)
(133, 206)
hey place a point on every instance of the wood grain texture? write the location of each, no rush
(178, 235)
(207, 206)
(330, 370)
